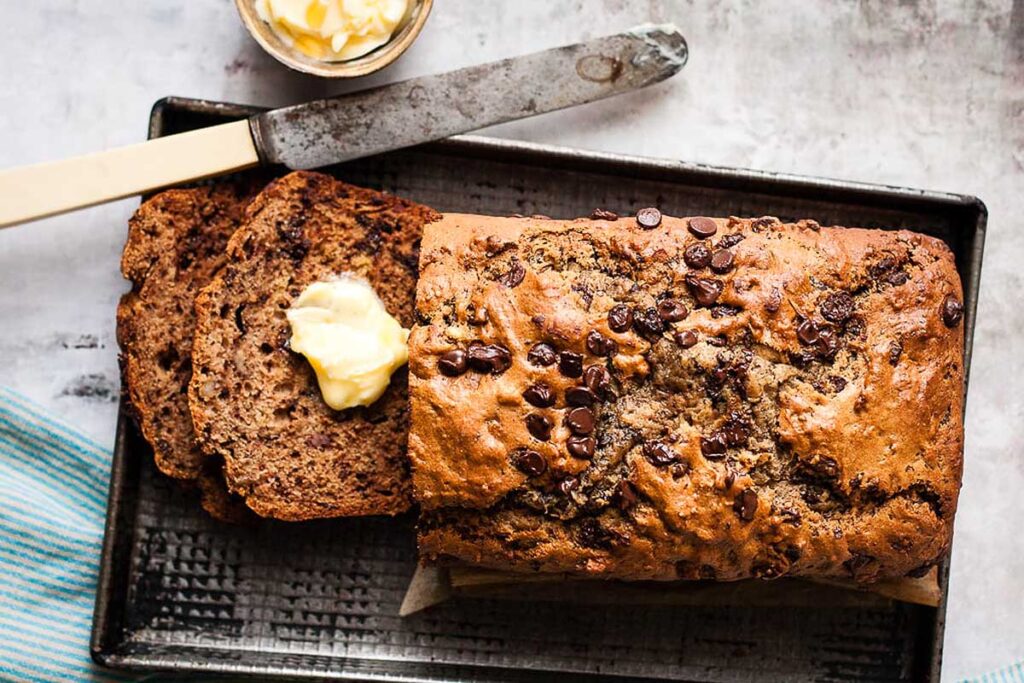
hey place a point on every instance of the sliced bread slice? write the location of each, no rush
(257, 404)
(176, 242)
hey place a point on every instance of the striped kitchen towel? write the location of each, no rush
(1010, 674)
(53, 497)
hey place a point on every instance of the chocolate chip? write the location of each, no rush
(697, 256)
(830, 384)
(730, 479)
(705, 290)
(895, 351)
(592, 535)
(600, 345)
(885, 265)
(714, 446)
(659, 453)
(453, 363)
(585, 291)
(745, 504)
(625, 495)
(730, 240)
(570, 363)
(604, 215)
(478, 317)
(837, 307)
(580, 396)
(648, 323)
(828, 344)
(722, 260)
(897, 278)
(802, 359)
(716, 380)
(539, 395)
(736, 430)
(685, 339)
(679, 470)
(489, 358)
(952, 311)
(620, 318)
(702, 227)
(580, 421)
(530, 463)
(648, 218)
(855, 327)
(723, 311)
(819, 468)
(599, 381)
(542, 354)
(581, 447)
(807, 332)
(568, 485)
(539, 426)
(515, 274)
(774, 301)
(789, 515)
(716, 341)
(672, 310)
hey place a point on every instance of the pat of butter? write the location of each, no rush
(352, 342)
(333, 30)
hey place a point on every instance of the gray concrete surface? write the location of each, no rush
(923, 93)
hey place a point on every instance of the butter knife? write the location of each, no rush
(354, 125)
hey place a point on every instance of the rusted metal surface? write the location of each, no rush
(320, 600)
(434, 107)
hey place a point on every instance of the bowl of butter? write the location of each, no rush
(335, 38)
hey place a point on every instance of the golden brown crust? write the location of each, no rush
(254, 402)
(835, 455)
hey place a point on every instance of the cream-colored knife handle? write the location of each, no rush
(46, 189)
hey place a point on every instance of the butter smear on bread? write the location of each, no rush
(352, 342)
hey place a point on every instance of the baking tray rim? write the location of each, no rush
(776, 183)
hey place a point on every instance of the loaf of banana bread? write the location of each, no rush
(661, 398)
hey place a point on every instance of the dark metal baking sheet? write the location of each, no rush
(320, 600)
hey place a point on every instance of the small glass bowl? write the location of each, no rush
(375, 60)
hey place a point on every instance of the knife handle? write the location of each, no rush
(31, 192)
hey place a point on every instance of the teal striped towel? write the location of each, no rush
(53, 498)
(1010, 674)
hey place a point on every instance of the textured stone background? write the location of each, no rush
(923, 93)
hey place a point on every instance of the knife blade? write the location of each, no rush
(434, 107)
(355, 125)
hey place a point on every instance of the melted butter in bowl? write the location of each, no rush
(335, 38)
(334, 30)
